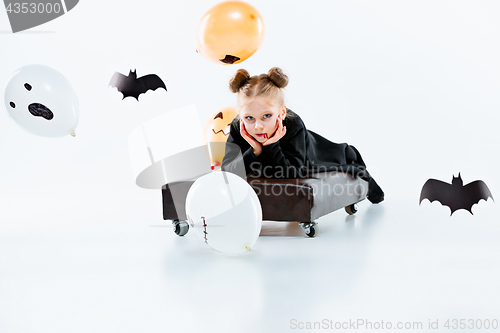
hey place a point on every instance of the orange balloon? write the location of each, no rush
(230, 32)
(216, 132)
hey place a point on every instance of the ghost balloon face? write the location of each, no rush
(42, 101)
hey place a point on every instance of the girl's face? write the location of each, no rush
(260, 118)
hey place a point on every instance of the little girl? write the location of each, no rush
(272, 141)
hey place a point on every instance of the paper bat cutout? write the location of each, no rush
(132, 86)
(455, 195)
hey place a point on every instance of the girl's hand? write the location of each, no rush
(257, 148)
(278, 133)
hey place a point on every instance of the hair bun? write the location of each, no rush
(277, 77)
(239, 79)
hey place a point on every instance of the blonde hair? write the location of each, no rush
(268, 85)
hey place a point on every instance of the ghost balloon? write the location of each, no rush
(42, 101)
(224, 211)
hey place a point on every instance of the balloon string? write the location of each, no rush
(212, 159)
(228, 188)
(73, 134)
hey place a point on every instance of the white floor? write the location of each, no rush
(125, 270)
(414, 85)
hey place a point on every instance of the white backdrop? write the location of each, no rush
(414, 85)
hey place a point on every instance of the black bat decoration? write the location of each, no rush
(455, 195)
(132, 86)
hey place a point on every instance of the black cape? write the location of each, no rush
(298, 153)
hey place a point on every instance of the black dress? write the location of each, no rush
(298, 153)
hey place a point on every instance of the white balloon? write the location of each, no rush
(224, 211)
(42, 101)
